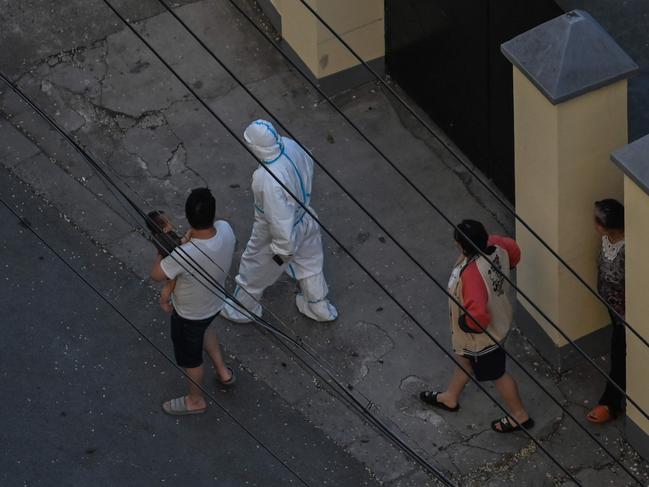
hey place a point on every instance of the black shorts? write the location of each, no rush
(187, 338)
(490, 366)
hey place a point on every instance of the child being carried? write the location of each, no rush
(165, 240)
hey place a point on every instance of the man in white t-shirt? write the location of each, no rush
(207, 250)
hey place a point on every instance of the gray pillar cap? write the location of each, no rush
(633, 159)
(568, 56)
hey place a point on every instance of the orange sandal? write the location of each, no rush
(600, 414)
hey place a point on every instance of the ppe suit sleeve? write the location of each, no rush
(279, 208)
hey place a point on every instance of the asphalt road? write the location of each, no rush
(82, 390)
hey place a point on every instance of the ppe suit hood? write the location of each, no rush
(263, 140)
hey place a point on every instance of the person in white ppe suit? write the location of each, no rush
(285, 238)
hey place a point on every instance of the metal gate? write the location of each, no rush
(446, 55)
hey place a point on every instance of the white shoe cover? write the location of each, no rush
(232, 312)
(321, 311)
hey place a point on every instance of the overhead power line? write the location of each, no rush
(307, 210)
(460, 159)
(445, 217)
(28, 226)
(232, 134)
(342, 391)
(478, 384)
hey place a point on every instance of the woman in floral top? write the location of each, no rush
(609, 223)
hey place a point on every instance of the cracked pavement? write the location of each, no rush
(158, 142)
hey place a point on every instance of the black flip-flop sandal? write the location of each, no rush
(430, 398)
(507, 427)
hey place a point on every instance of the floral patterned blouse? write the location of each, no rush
(610, 275)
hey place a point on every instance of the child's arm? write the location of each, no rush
(165, 295)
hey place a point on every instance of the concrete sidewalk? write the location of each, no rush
(129, 111)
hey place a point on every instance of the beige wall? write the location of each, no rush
(562, 155)
(300, 31)
(537, 194)
(636, 208)
(359, 22)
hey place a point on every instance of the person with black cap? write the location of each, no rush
(478, 334)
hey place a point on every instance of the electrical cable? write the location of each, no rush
(143, 335)
(89, 160)
(551, 322)
(217, 118)
(444, 216)
(544, 315)
(300, 344)
(346, 396)
(464, 370)
(466, 165)
(480, 386)
(342, 391)
(233, 134)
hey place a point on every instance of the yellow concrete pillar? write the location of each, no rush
(633, 159)
(360, 23)
(300, 32)
(570, 112)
